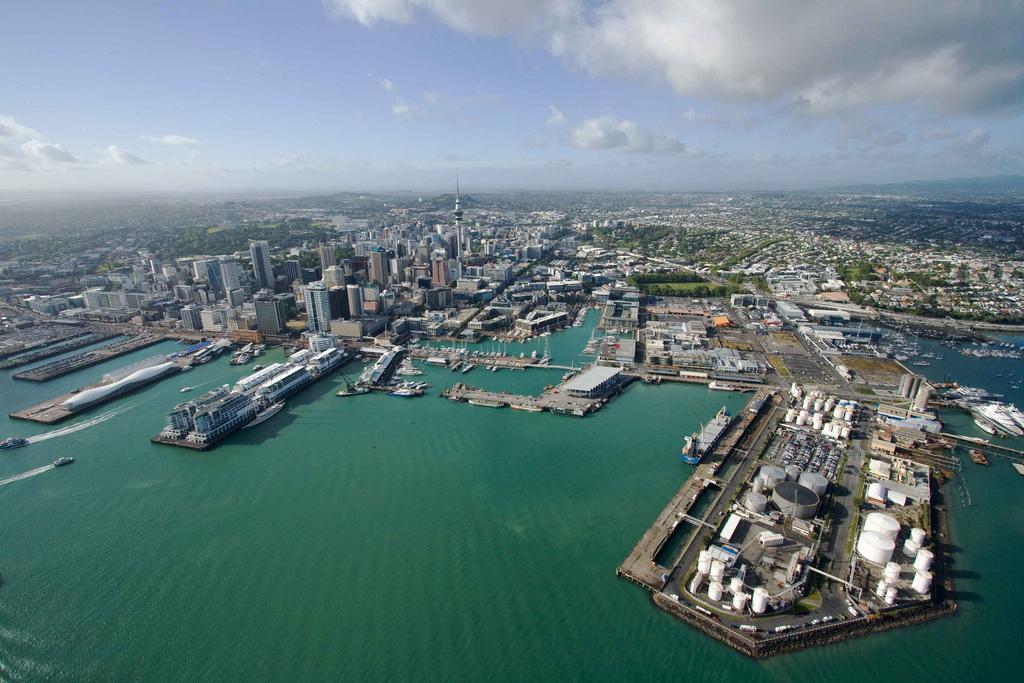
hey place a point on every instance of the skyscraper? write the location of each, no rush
(327, 259)
(264, 273)
(271, 313)
(439, 272)
(379, 267)
(230, 273)
(191, 318)
(318, 307)
(208, 271)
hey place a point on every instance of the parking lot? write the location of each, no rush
(808, 450)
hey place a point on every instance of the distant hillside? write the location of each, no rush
(999, 184)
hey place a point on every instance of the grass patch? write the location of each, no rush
(779, 366)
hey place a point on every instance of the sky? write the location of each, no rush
(340, 95)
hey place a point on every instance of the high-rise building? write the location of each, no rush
(292, 270)
(334, 276)
(208, 271)
(190, 317)
(318, 307)
(271, 313)
(355, 300)
(439, 272)
(379, 267)
(230, 273)
(327, 259)
(259, 250)
(339, 302)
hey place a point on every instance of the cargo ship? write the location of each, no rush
(698, 445)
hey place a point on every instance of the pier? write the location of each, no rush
(982, 445)
(554, 400)
(89, 358)
(63, 345)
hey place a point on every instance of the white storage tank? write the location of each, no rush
(818, 422)
(830, 403)
(756, 502)
(760, 600)
(790, 415)
(793, 389)
(838, 413)
(814, 481)
(801, 419)
(879, 589)
(715, 591)
(922, 582)
(735, 585)
(892, 572)
(923, 561)
(739, 601)
(874, 547)
(876, 491)
(695, 582)
(849, 415)
(704, 562)
(808, 402)
(918, 534)
(883, 524)
(717, 570)
(844, 433)
(890, 595)
(792, 472)
(771, 475)
(910, 548)
(818, 404)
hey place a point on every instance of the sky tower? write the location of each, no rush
(458, 219)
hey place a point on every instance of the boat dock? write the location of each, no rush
(986, 447)
(507, 362)
(552, 400)
(62, 345)
(89, 358)
(640, 566)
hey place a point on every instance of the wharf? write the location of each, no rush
(640, 566)
(58, 347)
(982, 445)
(509, 362)
(552, 400)
(89, 358)
(52, 411)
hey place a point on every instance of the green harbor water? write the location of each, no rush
(382, 538)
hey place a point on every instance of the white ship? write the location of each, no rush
(265, 415)
(997, 419)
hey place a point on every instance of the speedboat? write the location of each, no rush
(184, 390)
(66, 460)
(13, 442)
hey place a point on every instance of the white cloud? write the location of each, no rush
(607, 132)
(827, 56)
(25, 149)
(117, 155)
(556, 117)
(172, 140)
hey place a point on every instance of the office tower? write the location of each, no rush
(334, 276)
(191, 318)
(235, 297)
(208, 271)
(355, 300)
(423, 254)
(327, 259)
(379, 267)
(259, 250)
(439, 272)
(271, 313)
(338, 296)
(291, 270)
(318, 307)
(230, 274)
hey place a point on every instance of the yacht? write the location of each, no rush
(66, 460)
(404, 392)
(184, 390)
(13, 442)
(996, 419)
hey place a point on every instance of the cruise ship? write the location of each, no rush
(698, 445)
(996, 419)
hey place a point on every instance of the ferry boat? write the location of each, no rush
(995, 419)
(698, 445)
(66, 460)
(487, 403)
(266, 414)
(529, 409)
(13, 442)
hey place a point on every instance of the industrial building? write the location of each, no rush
(594, 382)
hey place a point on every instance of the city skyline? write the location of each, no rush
(397, 95)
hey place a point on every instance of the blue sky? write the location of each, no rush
(397, 94)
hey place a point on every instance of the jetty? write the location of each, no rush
(59, 346)
(89, 358)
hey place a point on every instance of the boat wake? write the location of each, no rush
(26, 475)
(71, 429)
